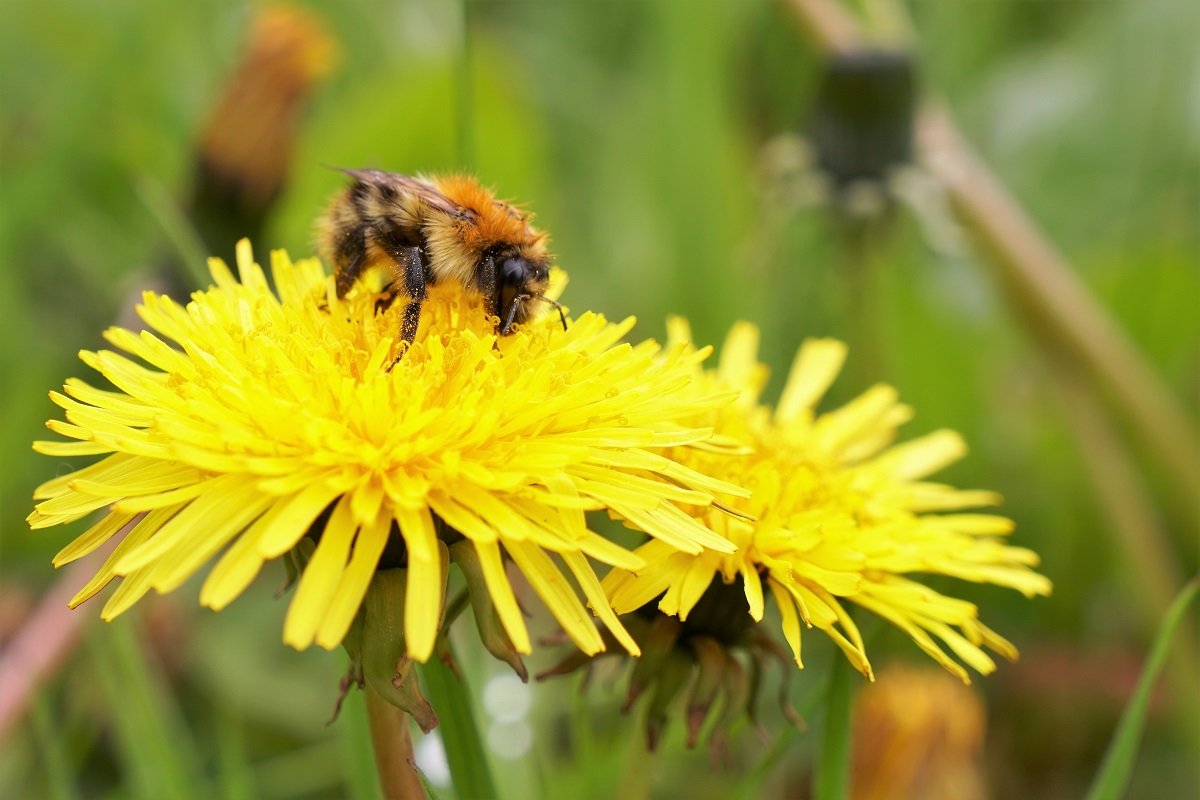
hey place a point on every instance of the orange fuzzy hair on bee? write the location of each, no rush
(498, 221)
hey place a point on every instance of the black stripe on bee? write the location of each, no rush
(359, 192)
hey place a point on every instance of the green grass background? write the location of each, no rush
(635, 131)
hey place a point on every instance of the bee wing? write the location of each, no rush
(405, 184)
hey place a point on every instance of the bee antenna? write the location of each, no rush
(512, 310)
(557, 305)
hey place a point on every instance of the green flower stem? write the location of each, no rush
(1112, 780)
(451, 698)
(833, 769)
(398, 776)
(827, 25)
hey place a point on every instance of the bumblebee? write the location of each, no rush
(427, 230)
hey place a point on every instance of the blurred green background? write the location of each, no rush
(658, 142)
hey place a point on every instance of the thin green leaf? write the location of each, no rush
(1112, 780)
(305, 771)
(357, 750)
(235, 772)
(430, 791)
(60, 772)
(180, 232)
(156, 751)
(833, 767)
(750, 785)
(468, 762)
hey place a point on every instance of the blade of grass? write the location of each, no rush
(182, 235)
(451, 698)
(430, 791)
(153, 743)
(313, 770)
(833, 768)
(1112, 780)
(235, 773)
(640, 767)
(355, 738)
(751, 784)
(61, 780)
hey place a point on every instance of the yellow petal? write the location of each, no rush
(592, 590)
(416, 526)
(461, 518)
(502, 595)
(753, 589)
(93, 537)
(423, 599)
(293, 519)
(552, 587)
(791, 622)
(240, 564)
(356, 579)
(321, 578)
(227, 494)
(139, 533)
(695, 582)
(923, 456)
(816, 365)
(200, 545)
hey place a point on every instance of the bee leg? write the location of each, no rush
(488, 285)
(414, 286)
(489, 288)
(410, 264)
(349, 260)
(386, 298)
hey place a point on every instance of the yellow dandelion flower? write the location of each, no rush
(246, 421)
(841, 514)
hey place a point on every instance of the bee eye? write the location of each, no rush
(515, 271)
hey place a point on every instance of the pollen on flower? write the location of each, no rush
(837, 514)
(238, 421)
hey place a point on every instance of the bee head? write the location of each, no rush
(519, 280)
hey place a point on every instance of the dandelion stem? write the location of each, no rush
(833, 770)
(450, 695)
(828, 25)
(392, 742)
